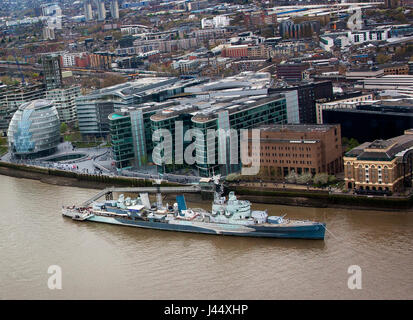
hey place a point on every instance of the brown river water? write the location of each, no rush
(101, 261)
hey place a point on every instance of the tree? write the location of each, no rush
(320, 179)
(8, 81)
(272, 172)
(292, 177)
(353, 143)
(117, 35)
(382, 58)
(144, 159)
(112, 80)
(63, 127)
(304, 178)
(349, 144)
(3, 146)
(332, 179)
(232, 177)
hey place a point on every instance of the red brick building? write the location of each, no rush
(259, 18)
(301, 148)
(238, 51)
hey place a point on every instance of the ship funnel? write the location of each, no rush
(180, 199)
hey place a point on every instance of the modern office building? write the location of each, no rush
(87, 6)
(34, 130)
(101, 10)
(289, 29)
(101, 60)
(176, 119)
(355, 37)
(64, 101)
(197, 96)
(301, 100)
(293, 108)
(132, 137)
(299, 148)
(131, 134)
(48, 33)
(126, 131)
(381, 165)
(52, 71)
(114, 9)
(220, 21)
(345, 101)
(93, 109)
(11, 97)
(244, 113)
(381, 120)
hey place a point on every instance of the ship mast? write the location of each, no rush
(158, 193)
(218, 187)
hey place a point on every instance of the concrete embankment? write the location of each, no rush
(73, 179)
(324, 199)
(255, 195)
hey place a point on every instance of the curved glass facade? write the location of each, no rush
(34, 130)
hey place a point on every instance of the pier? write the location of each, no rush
(108, 192)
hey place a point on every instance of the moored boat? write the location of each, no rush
(228, 216)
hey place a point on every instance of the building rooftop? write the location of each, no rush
(344, 96)
(383, 150)
(297, 127)
(244, 80)
(117, 115)
(36, 104)
(391, 109)
(140, 88)
(204, 110)
(144, 107)
(232, 106)
(173, 111)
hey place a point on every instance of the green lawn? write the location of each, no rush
(3, 146)
(3, 150)
(76, 139)
(85, 144)
(73, 136)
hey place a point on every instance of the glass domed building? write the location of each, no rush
(34, 130)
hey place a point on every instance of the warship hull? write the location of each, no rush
(313, 230)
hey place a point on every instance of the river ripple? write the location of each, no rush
(102, 261)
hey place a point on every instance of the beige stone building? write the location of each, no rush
(382, 165)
